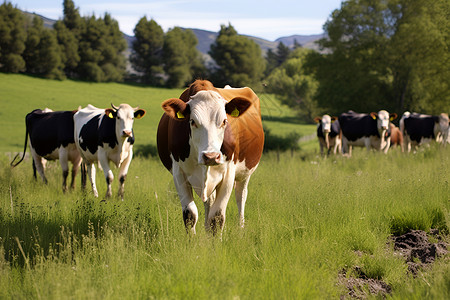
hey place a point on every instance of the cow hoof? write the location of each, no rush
(189, 219)
(216, 223)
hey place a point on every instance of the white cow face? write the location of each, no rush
(383, 119)
(208, 120)
(124, 116)
(207, 112)
(326, 122)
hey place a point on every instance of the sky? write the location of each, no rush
(268, 19)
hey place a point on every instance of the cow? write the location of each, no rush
(51, 138)
(211, 139)
(396, 137)
(369, 130)
(421, 129)
(104, 135)
(329, 134)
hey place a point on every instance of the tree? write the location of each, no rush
(296, 88)
(12, 39)
(146, 56)
(72, 19)
(101, 47)
(181, 58)
(68, 31)
(239, 59)
(42, 54)
(275, 59)
(68, 45)
(389, 54)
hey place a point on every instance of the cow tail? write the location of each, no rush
(24, 150)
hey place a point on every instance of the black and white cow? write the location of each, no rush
(366, 130)
(329, 134)
(421, 129)
(106, 135)
(51, 138)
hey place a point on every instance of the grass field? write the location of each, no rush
(307, 219)
(21, 94)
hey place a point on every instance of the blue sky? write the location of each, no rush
(269, 19)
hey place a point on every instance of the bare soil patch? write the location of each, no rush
(418, 252)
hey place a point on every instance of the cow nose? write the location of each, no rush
(211, 158)
(126, 133)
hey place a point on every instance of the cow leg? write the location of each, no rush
(207, 205)
(123, 171)
(367, 143)
(321, 148)
(344, 145)
(34, 169)
(217, 212)
(241, 191)
(109, 176)
(64, 162)
(91, 173)
(39, 164)
(75, 167)
(184, 190)
(388, 144)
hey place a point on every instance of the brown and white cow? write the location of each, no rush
(51, 138)
(419, 129)
(104, 135)
(329, 134)
(396, 137)
(211, 139)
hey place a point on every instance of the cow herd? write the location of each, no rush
(210, 139)
(376, 131)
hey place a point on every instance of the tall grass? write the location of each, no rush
(306, 221)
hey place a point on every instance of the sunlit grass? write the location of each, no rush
(307, 220)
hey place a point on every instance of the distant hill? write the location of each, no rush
(206, 38)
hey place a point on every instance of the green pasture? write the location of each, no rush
(308, 219)
(21, 94)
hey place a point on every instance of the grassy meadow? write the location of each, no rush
(307, 218)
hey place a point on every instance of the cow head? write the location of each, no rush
(383, 119)
(207, 113)
(124, 116)
(326, 121)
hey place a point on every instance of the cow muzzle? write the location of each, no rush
(212, 158)
(126, 133)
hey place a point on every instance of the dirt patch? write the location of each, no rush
(418, 252)
(362, 286)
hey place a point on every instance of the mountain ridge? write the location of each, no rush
(206, 38)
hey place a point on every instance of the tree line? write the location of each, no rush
(391, 54)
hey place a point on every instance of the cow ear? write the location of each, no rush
(140, 113)
(392, 117)
(110, 113)
(373, 115)
(237, 106)
(175, 108)
(317, 119)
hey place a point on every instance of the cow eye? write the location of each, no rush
(224, 123)
(193, 123)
